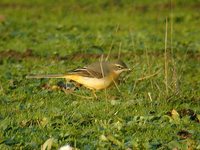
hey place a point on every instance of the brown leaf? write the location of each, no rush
(189, 112)
(2, 18)
(183, 134)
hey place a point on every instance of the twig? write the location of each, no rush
(149, 76)
(174, 77)
(101, 66)
(149, 94)
(116, 86)
(117, 28)
(166, 61)
(111, 45)
(119, 52)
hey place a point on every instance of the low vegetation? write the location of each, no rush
(156, 106)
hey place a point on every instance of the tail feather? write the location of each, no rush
(46, 76)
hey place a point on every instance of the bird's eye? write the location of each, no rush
(119, 67)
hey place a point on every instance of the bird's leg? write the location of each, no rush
(66, 81)
(94, 93)
(77, 85)
(66, 87)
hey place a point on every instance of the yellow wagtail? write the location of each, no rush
(96, 76)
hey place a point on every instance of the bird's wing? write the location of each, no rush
(95, 70)
(85, 72)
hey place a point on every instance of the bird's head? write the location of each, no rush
(119, 67)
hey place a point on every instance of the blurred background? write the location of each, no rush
(63, 27)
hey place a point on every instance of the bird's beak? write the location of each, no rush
(127, 69)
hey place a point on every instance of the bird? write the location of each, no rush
(96, 76)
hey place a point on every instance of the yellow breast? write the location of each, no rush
(92, 83)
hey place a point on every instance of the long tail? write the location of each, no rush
(46, 76)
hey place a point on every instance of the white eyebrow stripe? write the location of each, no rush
(118, 65)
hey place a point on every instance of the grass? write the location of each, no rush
(40, 37)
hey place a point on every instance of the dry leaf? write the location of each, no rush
(198, 118)
(47, 144)
(175, 116)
